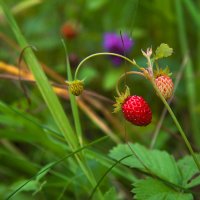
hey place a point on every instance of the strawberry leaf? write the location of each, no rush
(189, 171)
(158, 162)
(183, 173)
(153, 189)
(163, 51)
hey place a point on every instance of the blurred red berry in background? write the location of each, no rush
(69, 30)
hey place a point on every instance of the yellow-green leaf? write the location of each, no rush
(163, 51)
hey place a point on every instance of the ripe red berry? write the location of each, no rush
(165, 85)
(69, 30)
(137, 111)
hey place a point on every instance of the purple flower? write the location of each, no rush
(113, 43)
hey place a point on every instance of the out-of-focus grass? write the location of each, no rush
(27, 147)
(189, 71)
(48, 95)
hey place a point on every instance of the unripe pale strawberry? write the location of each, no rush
(165, 85)
(137, 111)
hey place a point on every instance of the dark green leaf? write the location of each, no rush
(158, 162)
(152, 189)
(189, 171)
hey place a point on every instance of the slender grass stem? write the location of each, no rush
(105, 174)
(56, 163)
(101, 54)
(73, 102)
(49, 96)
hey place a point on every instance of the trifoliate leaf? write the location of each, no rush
(189, 171)
(153, 189)
(163, 51)
(158, 162)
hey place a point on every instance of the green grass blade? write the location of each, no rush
(6, 108)
(56, 163)
(193, 11)
(105, 174)
(189, 73)
(78, 123)
(48, 94)
(73, 101)
(42, 83)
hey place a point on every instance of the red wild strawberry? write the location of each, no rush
(165, 85)
(137, 111)
(69, 30)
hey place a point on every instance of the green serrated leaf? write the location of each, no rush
(189, 171)
(153, 189)
(158, 162)
(163, 51)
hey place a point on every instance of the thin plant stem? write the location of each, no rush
(101, 54)
(20, 82)
(56, 163)
(49, 96)
(124, 75)
(105, 174)
(177, 124)
(164, 112)
(151, 79)
(189, 71)
(170, 111)
(73, 101)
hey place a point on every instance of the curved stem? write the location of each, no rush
(123, 75)
(100, 54)
(183, 135)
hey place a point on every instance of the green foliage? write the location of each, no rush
(33, 139)
(153, 189)
(153, 161)
(95, 5)
(163, 51)
(110, 194)
(110, 79)
(169, 178)
(189, 171)
(35, 185)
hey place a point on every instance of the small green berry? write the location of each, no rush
(76, 87)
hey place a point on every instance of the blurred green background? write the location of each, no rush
(82, 23)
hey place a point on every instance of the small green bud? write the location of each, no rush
(76, 87)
